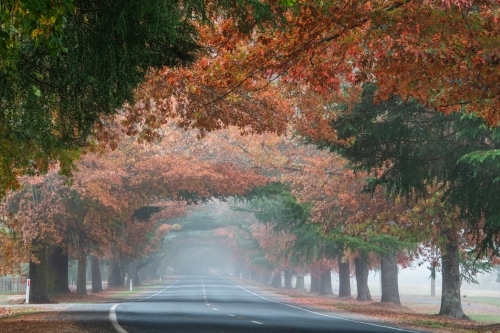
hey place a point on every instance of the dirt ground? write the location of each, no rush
(52, 322)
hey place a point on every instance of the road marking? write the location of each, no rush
(321, 314)
(158, 292)
(112, 311)
(253, 321)
(230, 315)
(214, 309)
(114, 319)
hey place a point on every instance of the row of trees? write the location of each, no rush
(306, 67)
(113, 208)
(409, 176)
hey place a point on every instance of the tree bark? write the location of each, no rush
(326, 283)
(288, 279)
(132, 274)
(344, 278)
(96, 274)
(276, 281)
(299, 284)
(38, 274)
(389, 276)
(361, 267)
(451, 304)
(433, 287)
(315, 283)
(57, 270)
(81, 280)
(115, 278)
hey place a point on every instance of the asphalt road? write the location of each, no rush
(210, 304)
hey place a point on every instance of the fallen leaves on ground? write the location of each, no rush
(390, 313)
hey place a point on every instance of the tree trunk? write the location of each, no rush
(115, 274)
(237, 271)
(433, 287)
(57, 271)
(288, 279)
(361, 267)
(326, 283)
(38, 274)
(132, 274)
(81, 280)
(344, 278)
(451, 304)
(276, 281)
(389, 276)
(299, 284)
(96, 275)
(315, 283)
(265, 278)
(155, 265)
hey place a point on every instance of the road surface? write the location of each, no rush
(211, 304)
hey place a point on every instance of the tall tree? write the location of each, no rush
(389, 140)
(59, 87)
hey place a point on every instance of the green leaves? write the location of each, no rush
(410, 150)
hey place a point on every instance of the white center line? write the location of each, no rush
(256, 322)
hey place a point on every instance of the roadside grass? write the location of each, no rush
(115, 294)
(15, 313)
(431, 324)
(135, 291)
(485, 318)
(484, 299)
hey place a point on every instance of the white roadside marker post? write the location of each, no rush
(28, 291)
(130, 284)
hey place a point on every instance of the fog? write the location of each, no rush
(202, 246)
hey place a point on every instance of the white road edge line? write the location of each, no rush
(322, 314)
(253, 321)
(232, 315)
(114, 320)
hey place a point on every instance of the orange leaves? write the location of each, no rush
(438, 51)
